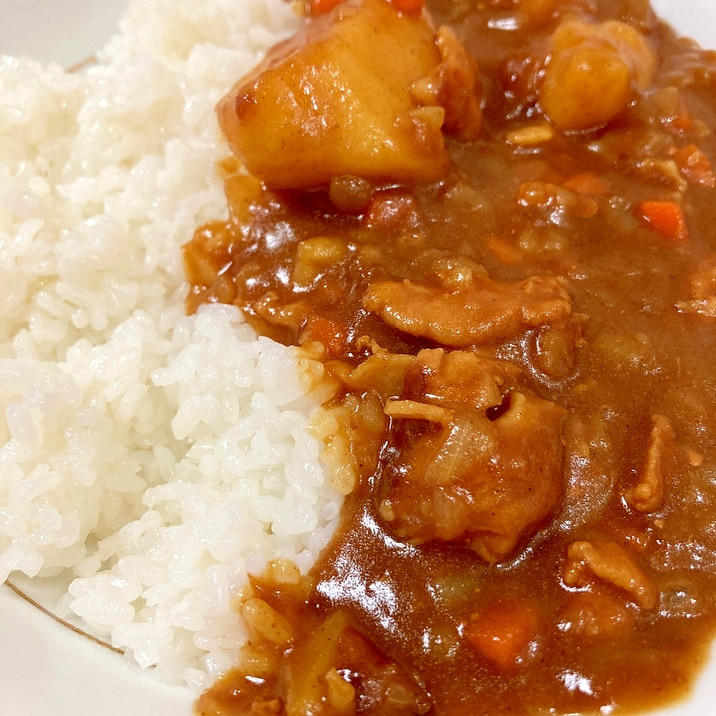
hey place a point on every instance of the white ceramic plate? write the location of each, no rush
(46, 669)
(63, 31)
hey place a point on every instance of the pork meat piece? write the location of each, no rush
(485, 469)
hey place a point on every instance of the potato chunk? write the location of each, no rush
(335, 100)
(593, 73)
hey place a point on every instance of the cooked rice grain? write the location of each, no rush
(149, 458)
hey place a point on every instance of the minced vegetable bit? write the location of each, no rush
(495, 223)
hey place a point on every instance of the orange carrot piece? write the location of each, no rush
(682, 119)
(504, 252)
(326, 331)
(320, 7)
(408, 6)
(666, 218)
(323, 7)
(502, 632)
(587, 183)
(695, 166)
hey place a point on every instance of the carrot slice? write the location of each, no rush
(326, 331)
(320, 7)
(666, 218)
(502, 632)
(587, 183)
(682, 119)
(408, 6)
(323, 7)
(695, 166)
(503, 251)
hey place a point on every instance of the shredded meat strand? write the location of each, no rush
(612, 564)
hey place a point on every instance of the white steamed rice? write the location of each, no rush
(147, 459)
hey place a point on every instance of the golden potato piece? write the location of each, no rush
(335, 100)
(586, 87)
(593, 73)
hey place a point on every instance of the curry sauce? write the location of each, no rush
(504, 256)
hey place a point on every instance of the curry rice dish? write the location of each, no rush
(497, 260)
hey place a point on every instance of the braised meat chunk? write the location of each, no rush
(481, 311)
(487, 470)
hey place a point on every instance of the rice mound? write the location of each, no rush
(148, 459)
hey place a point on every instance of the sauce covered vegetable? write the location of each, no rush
(493, 222)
